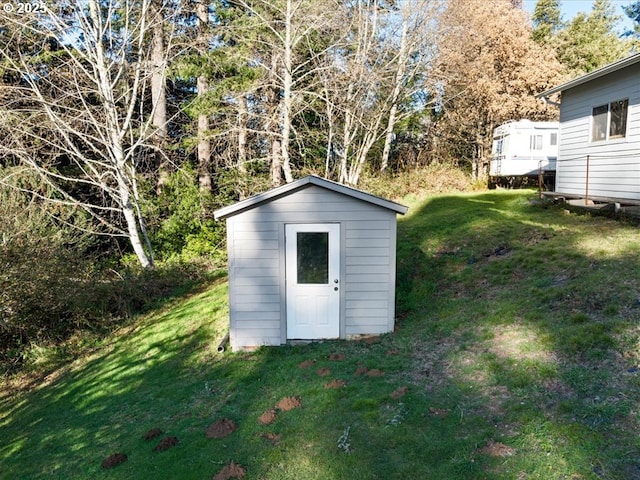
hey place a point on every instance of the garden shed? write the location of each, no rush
(310, 260)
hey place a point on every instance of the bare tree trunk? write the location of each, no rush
(287, 80)
(397, 86)
(273, 125)
(97, 124)
(158, 91)
(276, 161)
(117, 135)
(243, 117)
(204, 144)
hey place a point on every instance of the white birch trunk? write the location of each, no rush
(397, 86)
(287, 83)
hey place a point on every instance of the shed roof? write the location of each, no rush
(300, 184)
(601, 72)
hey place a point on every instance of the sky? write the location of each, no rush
(569, 8)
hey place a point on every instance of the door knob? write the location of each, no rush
(335, 289)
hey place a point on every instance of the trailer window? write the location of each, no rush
(535, 142)
(554, 139)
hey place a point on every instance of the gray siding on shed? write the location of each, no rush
(614, 165)
(257, 264)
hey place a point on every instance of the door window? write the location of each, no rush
(313, 257)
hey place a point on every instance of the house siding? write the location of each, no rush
(614, 165)
(257, 274)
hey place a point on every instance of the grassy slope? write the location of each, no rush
(517, 339)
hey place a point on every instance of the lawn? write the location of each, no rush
(515, 357)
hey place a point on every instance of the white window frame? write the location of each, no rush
(607, 130)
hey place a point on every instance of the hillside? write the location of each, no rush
(515, 356)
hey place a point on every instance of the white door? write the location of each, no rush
(313, 281)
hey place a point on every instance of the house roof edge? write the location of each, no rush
(601, 72)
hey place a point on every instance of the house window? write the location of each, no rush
(535, 142)
(599, 126)
(609, 121)
(554, 139)
(618, 124)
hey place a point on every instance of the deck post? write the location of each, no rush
(586, 187)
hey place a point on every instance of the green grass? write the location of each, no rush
(517, 340)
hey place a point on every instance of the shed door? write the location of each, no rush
(313, 282)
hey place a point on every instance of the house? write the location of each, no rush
(310, 260)
(599, 137)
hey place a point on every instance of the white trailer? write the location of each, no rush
(523, 149)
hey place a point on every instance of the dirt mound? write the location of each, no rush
(497, 449)
(114, 460)
(438, 412)
(268, 417)
(233, 470)
(369, 340)
(374, 372)
(221, 428)
(274, 438)
(165, 444)
(398, 393)
(336, 357)
(335, 384)
(288, 403)
(151, 434)
(307, 364)
(323, 372)
(360, 371)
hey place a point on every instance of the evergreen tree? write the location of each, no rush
(590, 40)
(633, 12)
(547, 21)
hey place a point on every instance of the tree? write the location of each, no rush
(202, 85)
(282, 39)
(369, 77)
(547, 21)
(490, 70)
(590, 40)
(158, 82)
(74, 112)
(633, 12)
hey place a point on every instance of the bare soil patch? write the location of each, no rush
(153, 433)
(392, 352)
(336, 357)
(323, 372)
(374, 372)
(274, 438)
(371, 339)
(399, 393)
(497, 449)
(360, 371)
(307, 364)
(268, 417)
(166, 443)
(113, 460)
(288, 403)
(233, 470)
(221, 428)
(335, 384)
(438, 412)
